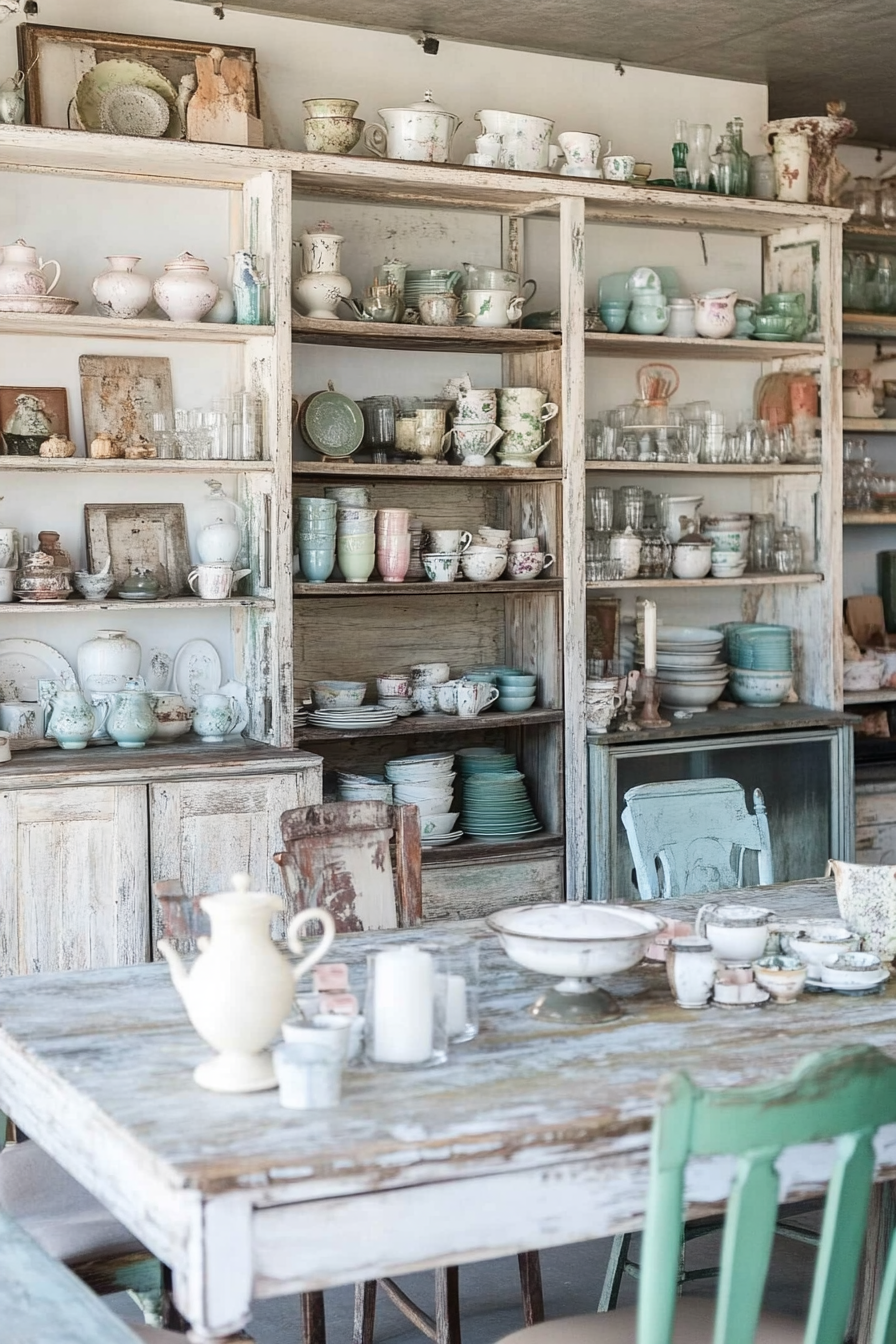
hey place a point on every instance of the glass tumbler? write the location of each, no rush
(762, 543)
(460, 957)
(247, 427)
(630, 507)
(601, 501)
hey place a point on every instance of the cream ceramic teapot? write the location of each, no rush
(421, 133)
(240, 988)
(22, 272)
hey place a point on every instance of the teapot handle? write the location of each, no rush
(43, 266)
(294, 942)
(700, 922)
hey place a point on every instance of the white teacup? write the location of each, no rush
(525, 403)
(213, 582)
(618, 167)
(473, 697)
(472, 439)
(446, 540)
(475, 405)
(493, 536)
(429, 674)
(441, 567)
(425, 698)
(528, 564)
(493, 307)
(22, 720)
(737, 932)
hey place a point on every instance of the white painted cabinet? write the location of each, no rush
(74, 893)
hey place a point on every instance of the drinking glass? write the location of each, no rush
(601, 501)
(762, 543)
(593, 439)
(715, 447)
(379, 423)
(788, 551)
(164, 436)
(694, 430)
(629, 507)
(699, 164)
(247, 427)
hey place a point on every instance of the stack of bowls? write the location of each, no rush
(689, 673)
(394, 691)
(761, 658)
(362, 788)
(495, 807)
(316, 537)
(393, 544)
(730, 537)
(516, 690)
(355, 542)
(331, 126)
(428, 782)
(353, 495)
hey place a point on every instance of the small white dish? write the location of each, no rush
(853, 970)
(820, 987)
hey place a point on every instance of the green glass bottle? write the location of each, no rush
(680, 175)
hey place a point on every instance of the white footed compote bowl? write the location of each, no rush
(577, 941)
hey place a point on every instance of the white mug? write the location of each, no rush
(473, 697)
(493, 307)
(525, 403)
(7, 577)
(22, 720)
(581, 149)
(446, 540)
(213, 582)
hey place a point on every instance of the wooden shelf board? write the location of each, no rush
(400, 336)
(134, 329)
(469, 850)
(869, 426)
(745, 581)
(868, 518)
(884, 695)
(860, 234)
(78, 606)
(870, 326)
(424, 471)
(653, 347)
(419, 725)
(462, 587)
(158, 465)
(709, 469)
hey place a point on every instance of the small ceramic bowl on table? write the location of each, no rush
(338, 694)
(783, 977)
(853, 970)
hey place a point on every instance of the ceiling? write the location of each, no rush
(807, 51)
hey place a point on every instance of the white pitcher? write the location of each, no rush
(240, 988)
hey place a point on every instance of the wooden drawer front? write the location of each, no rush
(471, 890)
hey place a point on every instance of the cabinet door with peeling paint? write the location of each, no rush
(204, 832)
(74, 878)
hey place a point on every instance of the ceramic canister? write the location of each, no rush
(185, 292)
(737, 932)
(691, 967)
(105, 662)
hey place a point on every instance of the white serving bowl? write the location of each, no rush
(411, 793)
(852, 970)
(684, 676)
(695, 696)
(575, 939)
(440, 824)
(338, 694)
(760, 688)
(433, 807)
(686, 661)
(820, 945)
(682, 636)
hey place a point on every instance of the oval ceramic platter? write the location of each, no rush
(24, 662)
(197, 670)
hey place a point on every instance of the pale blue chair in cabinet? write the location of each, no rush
(689, 837)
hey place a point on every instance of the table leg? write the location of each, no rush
(881, 1222)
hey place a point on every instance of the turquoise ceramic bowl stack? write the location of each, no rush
(517, 688)
(761, 660)
(495, 804)
(315, 537)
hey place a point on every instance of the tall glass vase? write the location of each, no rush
(699, 162)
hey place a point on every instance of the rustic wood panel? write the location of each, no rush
(876, 827)
(454, 890)
(74, 888)
(533, 510)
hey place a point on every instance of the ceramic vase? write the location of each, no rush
(107, 661)
(223, 310)
(120, 291)
(320, 287)
(791, 158)
(72, 721)
(185, 292)
(131, 722)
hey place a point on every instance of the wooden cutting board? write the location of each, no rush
(218, 112)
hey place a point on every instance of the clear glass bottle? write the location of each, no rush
(699, 164)
(725, 166)
(680, 175)
(743, 158)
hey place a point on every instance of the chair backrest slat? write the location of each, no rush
(842, 1097)
(885, 1317)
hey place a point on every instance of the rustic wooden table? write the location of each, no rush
(533, 1135)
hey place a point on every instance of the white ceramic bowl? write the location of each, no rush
(695, 696)
(820, 946)
(685, 661)
(852, 970)
(434, 807)
(683, 636)
(440, 824)
(338, 694)
(429, 674)
(760, 688)
(684, 675)
(409, 793)
(577, 939)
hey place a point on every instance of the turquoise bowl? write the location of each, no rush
(515, 704)
(613, 315)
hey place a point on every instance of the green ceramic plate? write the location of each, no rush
(108, 75)
(332, 424)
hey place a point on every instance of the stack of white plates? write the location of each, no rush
(362, 788)
(427, 781)
(364, 716)
(299, 718)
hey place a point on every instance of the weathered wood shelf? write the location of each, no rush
(708, 468)
(461, 587)
(424, 471)
(468, 849)
(882, 696)
(419, 725)
(158, 465)
(134, 329)
(870, 326)
(868, 518)
(863, 234)
(405, 336)
(658, 347)
(78, 605)
(869, 426)
(745, 581)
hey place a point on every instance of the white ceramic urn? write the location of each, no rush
(218, 541)
(320, 288)
(120, 291)
(185, 292)
(107, 661)
(22, 271)
(420, 133)
(240, 988)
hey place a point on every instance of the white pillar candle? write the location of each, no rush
(456, 1016)
(650, 638)
(403, 1006)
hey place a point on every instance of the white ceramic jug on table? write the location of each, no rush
(240, 988)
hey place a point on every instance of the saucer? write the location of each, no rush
(38, 303)
(568, 171)
(824, 987)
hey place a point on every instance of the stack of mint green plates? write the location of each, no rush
(496, 806)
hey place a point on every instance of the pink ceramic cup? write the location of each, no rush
(393, 520)
(393, 558)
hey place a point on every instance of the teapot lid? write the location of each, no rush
(428, 105)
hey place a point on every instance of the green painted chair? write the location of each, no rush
(843, 1096)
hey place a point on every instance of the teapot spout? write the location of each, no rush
(179, 976)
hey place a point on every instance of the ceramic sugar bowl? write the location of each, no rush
(737, 933)
(241, 988)
(185, 292)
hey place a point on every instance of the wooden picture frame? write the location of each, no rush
(54, 60)
(54, 403)
(148, 536)
(121, 393)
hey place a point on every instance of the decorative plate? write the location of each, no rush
(108, 75)
(197, 670)
(133, 109)
(23, 662)
(52, 304)
(332, 424)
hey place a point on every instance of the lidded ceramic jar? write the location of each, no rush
(120, 291)
(107, 661)
(131, 720)
(420, 133)
(57, 445)
(691, 968)
(692, 557)
(185, 292)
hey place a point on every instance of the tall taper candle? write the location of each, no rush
(650, 638)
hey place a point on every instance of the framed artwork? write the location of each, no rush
(145, 536)
(52, 405)
(120, 394)
(603, 628)
(66, 88)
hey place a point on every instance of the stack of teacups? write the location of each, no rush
(442, 550)
(602, 700)
(730, 537)
(485, 559)
(427, 781)
(522, 414)
(426, 678)
(394, 691)
(316, 537)
(331, 126)
(475, 432)
(416, 570)
(525, 560)
(355, 542)
(353, 495)
(393, 544)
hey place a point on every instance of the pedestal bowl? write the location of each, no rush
(576, 941)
